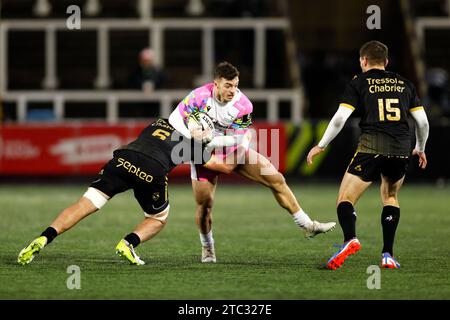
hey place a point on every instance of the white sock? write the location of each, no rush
(302, 219)
(207, 240)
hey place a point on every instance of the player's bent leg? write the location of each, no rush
(390, 217)
(91, 201)
(152, 225)
(351, 189)
(220, 165)
(204, 197)
(146, 230)
(154, 200)
(261, 170)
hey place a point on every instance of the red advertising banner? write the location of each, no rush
(83, 148)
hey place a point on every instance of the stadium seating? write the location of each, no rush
(78, 63)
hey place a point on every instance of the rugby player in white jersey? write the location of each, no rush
(230, 109)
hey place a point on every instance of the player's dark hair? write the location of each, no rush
(375, 52)
(226, 70)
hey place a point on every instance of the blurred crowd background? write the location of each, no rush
(295, 56)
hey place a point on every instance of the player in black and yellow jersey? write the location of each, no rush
(142, 165)
(385, 100)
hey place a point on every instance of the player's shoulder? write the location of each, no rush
(243, 104)
(357, 79)
(401, 78)
(199, 96)
(379, 74)
(205, 90)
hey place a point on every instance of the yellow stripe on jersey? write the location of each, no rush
(416, 108)
(347, 106)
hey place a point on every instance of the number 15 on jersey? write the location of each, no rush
(387, 111)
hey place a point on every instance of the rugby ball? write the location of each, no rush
(203, 121)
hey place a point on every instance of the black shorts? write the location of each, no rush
(133, 170)
(369, 167)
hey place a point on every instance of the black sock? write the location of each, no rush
(347, 219)
(133, 239)
(389, 221)
(50, 233)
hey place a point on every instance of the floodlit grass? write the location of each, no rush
(261, 252)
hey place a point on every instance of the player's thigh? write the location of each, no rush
(394, 168)
(393, 171)
(351, 188)
(220, 165)
(204, 191)
(389, 190)
(259, 169)
(203, 173)
(366, 166)
(92, 200)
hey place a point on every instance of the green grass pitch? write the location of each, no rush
(261, 252)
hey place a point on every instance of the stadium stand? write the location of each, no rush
(294, 56)
(101, 56)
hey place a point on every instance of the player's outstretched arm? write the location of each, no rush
(422, 131)
(225, 141)
(334, 127)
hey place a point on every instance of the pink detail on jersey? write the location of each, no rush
(196, 100)
(244, 106)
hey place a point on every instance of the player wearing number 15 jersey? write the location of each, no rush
(385, 100)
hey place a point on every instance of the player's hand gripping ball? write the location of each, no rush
(201, 127)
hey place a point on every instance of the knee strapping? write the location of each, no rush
(97, 199)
